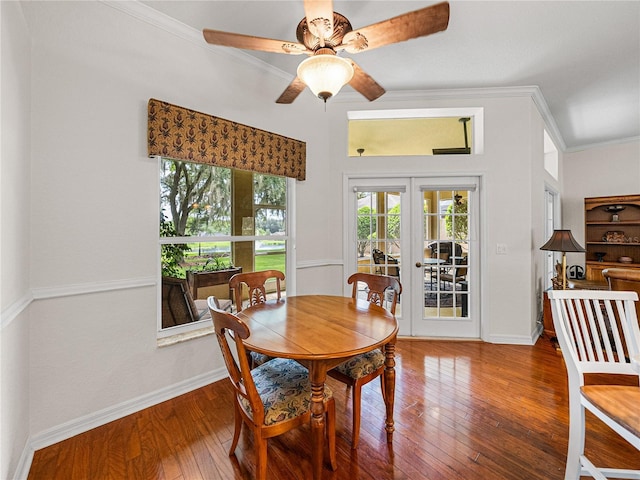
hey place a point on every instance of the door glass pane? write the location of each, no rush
(446, 253)
(378, 235)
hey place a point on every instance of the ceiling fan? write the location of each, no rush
(323, 33)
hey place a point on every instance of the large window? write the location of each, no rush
(214, 222)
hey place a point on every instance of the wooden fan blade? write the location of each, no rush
(249, 42)
(419, 23)
(364, 84)
(319, 15)
(292, 91)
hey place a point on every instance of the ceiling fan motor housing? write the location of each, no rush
(341, 26)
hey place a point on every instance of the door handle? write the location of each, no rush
(418, 264)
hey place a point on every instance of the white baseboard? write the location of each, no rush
(24, 463)
(106, 415)
(517, 339)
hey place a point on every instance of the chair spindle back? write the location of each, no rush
(377, 286)
(256, 285)
(597, 329)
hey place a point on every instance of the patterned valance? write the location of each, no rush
(183, 134)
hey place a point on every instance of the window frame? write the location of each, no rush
(475, 114)
(187, 330)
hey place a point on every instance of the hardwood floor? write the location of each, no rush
(464, 410)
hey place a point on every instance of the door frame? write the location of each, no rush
(379, 182)
(405, 181)
(469, 327)
(552, 221)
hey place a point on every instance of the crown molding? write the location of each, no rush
(589, 146)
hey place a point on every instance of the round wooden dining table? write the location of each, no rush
(320, 332)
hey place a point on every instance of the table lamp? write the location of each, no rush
(562, 241)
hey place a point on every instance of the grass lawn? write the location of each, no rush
(271, 261)
(263, 261)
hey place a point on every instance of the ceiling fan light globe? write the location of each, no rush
(325, 75)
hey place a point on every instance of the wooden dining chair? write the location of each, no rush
(256, 285)
(598, 333)
(363, 368)
(270, 399)
(255, 282)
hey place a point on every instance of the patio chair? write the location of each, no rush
(456, 274)
(179, 307)
(361, 369)
(270, 399)
(598, 333)
(388, 264)
(452, 250)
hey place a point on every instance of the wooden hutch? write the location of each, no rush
(612, 234)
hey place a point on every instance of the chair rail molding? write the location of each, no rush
(323, 262)
(92, 287)
(9, 314)
(15, 309)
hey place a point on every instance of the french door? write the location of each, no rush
(424, 231)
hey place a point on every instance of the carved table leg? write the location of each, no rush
(389, 387)
(318, 376)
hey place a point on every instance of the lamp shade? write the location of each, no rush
(325, 74)
(562, 241)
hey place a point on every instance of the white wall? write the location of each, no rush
(14, 236)
(92, 346)
(509, 314)
(95, 201)
(596, 172)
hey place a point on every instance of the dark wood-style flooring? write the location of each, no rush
(463, 410)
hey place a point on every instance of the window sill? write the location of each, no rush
(185, 336)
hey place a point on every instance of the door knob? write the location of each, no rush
(418, 264)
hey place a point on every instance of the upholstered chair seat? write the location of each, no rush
(362, 365)
(284, 388)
